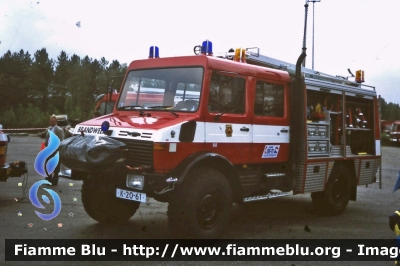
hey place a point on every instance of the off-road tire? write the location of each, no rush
(201, 206)
(105, 207)
(334, 199)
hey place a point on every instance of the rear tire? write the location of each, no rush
(201, 206)
(105, 207)
(334, 199)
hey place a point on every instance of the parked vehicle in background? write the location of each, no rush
(105, 104)
(395, 133)
(386, 126)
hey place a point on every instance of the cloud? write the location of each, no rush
(19, 28)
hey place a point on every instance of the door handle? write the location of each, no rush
(284, 130)
(246, 129)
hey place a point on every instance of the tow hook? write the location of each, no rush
(171, 185)
(171, 180)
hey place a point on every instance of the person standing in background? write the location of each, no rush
(59, 132)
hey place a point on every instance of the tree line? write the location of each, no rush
(389, 111)
(34, 87)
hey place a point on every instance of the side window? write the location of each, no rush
(227, 94)
(187, 97)
(269, 99)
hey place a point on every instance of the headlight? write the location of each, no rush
(135, 181)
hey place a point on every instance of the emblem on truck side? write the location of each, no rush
(228, 130)
(270, 151)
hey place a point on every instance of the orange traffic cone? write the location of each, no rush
(41, 148)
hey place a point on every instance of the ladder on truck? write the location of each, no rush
(312, 77)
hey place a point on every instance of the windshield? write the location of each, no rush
(175, 89)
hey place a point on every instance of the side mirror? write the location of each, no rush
(8, 138)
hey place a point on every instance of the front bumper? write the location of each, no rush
(154, 185)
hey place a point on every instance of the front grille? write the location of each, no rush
(140, 152)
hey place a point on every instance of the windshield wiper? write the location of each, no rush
(128, 107)
(164, 107)
(141, 112)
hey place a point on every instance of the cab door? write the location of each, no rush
(270, 119)
(227, 123)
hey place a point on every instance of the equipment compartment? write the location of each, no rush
(318, 148)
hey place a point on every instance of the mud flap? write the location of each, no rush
(353, 192)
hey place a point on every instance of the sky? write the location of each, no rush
(355, 34)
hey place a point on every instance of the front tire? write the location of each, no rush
(334, 199)
(105, 207)
(201, 207)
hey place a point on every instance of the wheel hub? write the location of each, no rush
(208, 211)
(337, 191)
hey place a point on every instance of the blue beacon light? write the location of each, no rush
(105, 126)
(206, 48)
(154, 52)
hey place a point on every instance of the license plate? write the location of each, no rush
(131, 195)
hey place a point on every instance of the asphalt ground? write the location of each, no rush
(281, 218)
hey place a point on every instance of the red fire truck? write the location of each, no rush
(105, 104)
(246, 127)
(395, 133)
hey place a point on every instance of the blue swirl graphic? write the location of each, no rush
(40, 160)
(35, 201)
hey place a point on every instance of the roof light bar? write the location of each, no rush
(240, 55)
(206, 48)
(154, 52)
(360, 76)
